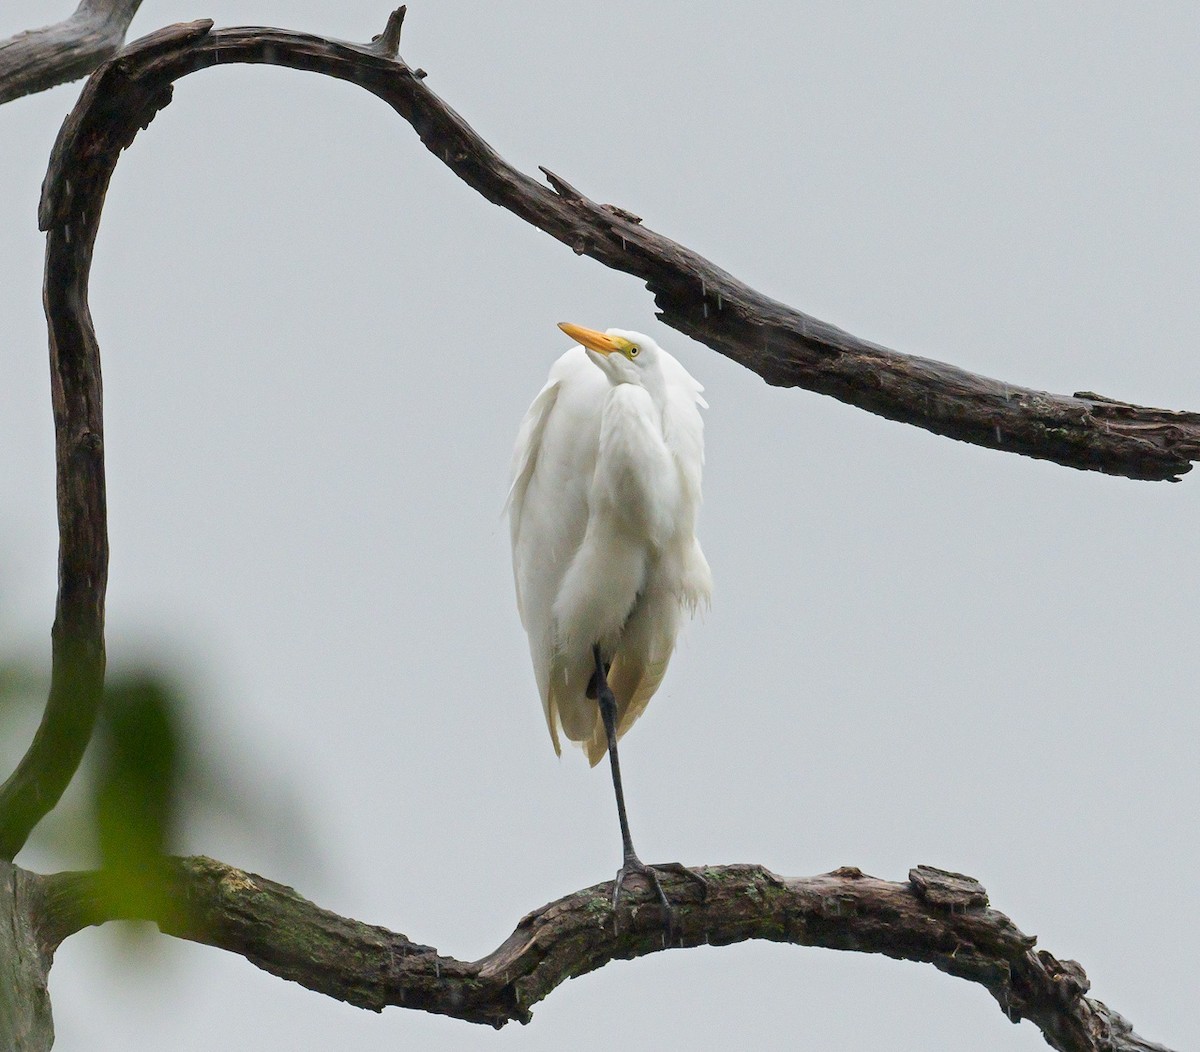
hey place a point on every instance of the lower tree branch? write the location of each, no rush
(937, 917)
(43, 58)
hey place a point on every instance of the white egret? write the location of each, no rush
(605, 491)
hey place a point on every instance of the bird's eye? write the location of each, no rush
(634, 352)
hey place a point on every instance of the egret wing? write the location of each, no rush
(553, 462)
(683, 427)
(525, 457)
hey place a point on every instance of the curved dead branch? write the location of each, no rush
(783, 345)
(936, 917)
(44, 58)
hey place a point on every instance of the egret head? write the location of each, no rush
(624, 357)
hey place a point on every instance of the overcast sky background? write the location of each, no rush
(317, 347)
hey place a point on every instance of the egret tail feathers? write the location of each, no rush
(550, 708)
(567, 704)
(633, 684)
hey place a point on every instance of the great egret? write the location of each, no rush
(605, 490)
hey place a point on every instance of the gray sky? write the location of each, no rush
(317, 347)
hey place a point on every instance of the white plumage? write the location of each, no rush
(605, 491)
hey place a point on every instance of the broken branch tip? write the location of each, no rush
(388, 42)
(561, 186)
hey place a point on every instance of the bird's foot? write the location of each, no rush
(634, 865)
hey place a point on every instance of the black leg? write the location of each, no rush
(631, 863)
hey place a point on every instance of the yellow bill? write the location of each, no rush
(593, 340)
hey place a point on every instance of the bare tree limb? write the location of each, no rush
(44, 58)
(936, 917)
(783, 345)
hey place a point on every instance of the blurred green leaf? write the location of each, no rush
(140, 781)
(149, 779)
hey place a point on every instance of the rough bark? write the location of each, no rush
(43, 58)
(25, 1021)
(935, 917)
